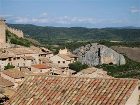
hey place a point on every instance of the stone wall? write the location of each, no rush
(95, 54)
(3, 28)
(17, 32)
(2, 31)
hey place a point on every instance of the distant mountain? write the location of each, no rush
(127, 27)
(60, 34)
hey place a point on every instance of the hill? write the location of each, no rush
(132, 53)
(54, 35)
(14, 39)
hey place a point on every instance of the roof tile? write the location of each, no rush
(56, 90)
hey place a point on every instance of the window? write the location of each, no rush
(58, 61)
(139, 88)
(14, 58)
(3, 59)
(63, 61)
(29, 69)
(18, 57)
(10, 59)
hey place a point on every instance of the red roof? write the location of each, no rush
(57, 90)
(41, 66)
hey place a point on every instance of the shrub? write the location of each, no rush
(8, 66)
(77, 66)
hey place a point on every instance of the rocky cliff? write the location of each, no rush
(95, 54)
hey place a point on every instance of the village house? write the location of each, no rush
(47, 52)
(28, 61)
(55, 70)
(18, 57)
(24, 51)
(14, 75)
(4, 83)
(42, 52)
(44, 60)
(58, 90)
(5, 58)
(63, 58)
(40, 68)
(22, 57)
(93, 72)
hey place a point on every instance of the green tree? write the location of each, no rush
(77, 66)
(8, 66)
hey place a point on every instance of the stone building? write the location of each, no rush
(2, 31)
(40, 68)
(63, 58)
(3, 28)
(17, 32)
(14, 75)
(93, 73)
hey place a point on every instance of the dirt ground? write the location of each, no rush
(132, 53)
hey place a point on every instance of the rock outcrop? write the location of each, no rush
(95, 54)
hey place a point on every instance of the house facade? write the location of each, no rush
(63, 58)
(40, 68)
(14, 75)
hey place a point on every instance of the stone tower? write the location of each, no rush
(2, 31)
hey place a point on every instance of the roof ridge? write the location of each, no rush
(81, 77)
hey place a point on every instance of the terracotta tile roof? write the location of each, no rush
(6, 55)
(45, 60)
(93, 73)
(22, 50)
(57, 90)
(46, 50)
(72, 55)
(66, 57)
(5, 82)
(14, 73)
(41, 66)
(28, 58)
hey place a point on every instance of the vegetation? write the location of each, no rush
(130, 70)
(16, 40)
(75, 37)
(58, 35)
(77, 66)
(20, 41)
(126, 44)
(9, 66)
(73, 45)
(55, 38)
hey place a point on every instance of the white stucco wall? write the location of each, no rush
(3, 63)
(57, 58)
(36, 70)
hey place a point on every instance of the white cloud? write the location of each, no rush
(22, 19)
(45, 19)
(135, 10)
(44, 14)
(58, 20)
(5, 15)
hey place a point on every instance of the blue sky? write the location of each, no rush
(72, 13)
